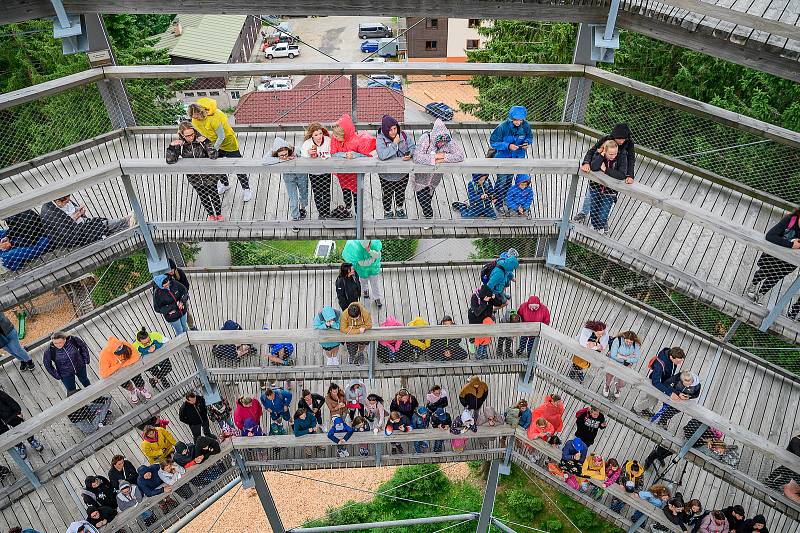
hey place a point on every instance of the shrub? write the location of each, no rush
(524, 504)
(408, 482)
(398, 249)
(553, 526)
(584, 519)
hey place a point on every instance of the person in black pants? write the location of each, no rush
(391, 143)
(193, 413)
(348, 286)
(317, 144)
(771, 270)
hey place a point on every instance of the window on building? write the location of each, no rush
(474, 23)
(473, 44)
(431, 45)
(235, 95)
(432, 23)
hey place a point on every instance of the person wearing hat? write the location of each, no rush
(420, 420)
(329, 319)
(510, 140)
(170, 300)
(440, 419)
(573, 455)
(482, 198)
(621, 134)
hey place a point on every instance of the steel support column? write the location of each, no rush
(636, 525)
(26, 469)
(268, 503)
(485, 518)
(210, 392)
(360, 206)
(578, 88)
(156, 263)
(525, 385)
(691, 441)
(505, 468)
(501, 526)
(780, 305)
(556, 254)
(387, 523)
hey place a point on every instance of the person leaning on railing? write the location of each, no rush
(433, 148)
(356, 320)
(771, 270)
(392, 142)
(190, 145)
(317, 145)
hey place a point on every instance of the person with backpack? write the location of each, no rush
(482, 305)
(593, 335)
(501, 277)
(231, 352)
(510, 140)
(170, 299)
(355, 321)
(392, 142)
(588, 422)
(65, 358)
(624, 349)
(434, 147)
(481, 197)
(532, 310)
(661, 368)
(621, 134)
(683, 386)
(365, 256)
(771, 270)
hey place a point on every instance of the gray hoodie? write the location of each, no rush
(133, 498)
(273, 159)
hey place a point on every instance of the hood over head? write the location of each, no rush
(422, 410)
(484, 291)
(159, 280)
(123, 484)
(391, 321)
(346, 122)
(509, 263)
(521, 178)
(338, 423)
(230, 325)
(517, 112)
(418, 321)
(621, 131)
(88, 482)
(440, 413)
(280, 143)
(386, 124)
(534, 300)
(209, 104)
(476, 177)
(328, 313)
(171, 263)
(439, 132)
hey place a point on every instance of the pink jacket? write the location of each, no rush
(530, 315)
(242, 413)
(391, 322)
(611, 477)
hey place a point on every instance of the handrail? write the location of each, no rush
(671, 99)
(703, 414)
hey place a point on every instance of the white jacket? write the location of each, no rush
(170, 478)
(323, 151)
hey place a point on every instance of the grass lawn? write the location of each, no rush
(299, 248)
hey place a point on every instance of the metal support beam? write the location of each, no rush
(156, 264)
(525, 385)
(360, 206)
(556, 254)
(606, 42)
(378, 454)
(485, 518)
(26, 469)
(505, 468)
(387, 523)
(691, 441)
(354, 96)
(371, 360)
(780, 305)
(636, 525)
(712, 369)
(112, 90)
(244, 473)
(268, 503)
(578, 88)
(501, 526)
(210, 392)
(208, 502)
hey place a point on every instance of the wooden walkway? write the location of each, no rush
(742, 390)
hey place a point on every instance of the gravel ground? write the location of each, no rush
(58, 312)
(298, 500)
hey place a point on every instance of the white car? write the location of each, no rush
(374, 60)
(280, 84)
(282, 50)
(386, 79)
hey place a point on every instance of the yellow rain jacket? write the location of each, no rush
(157, 450)
(209, 125)
(422, 344)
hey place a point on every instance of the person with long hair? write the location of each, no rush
(348, 286)
(625, 349)
(191, 145)
(317, 145)
(593, 335)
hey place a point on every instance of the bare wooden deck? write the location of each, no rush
(740, 389)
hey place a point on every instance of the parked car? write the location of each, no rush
(374, 59)
(282, 50)
(280, 84)
(373, 30)
(387, 47)
(369, 47)
(440, 110)
(267, 79)
(395, 85)
(385, 78)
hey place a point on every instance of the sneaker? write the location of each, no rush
(379, 303)
(303, 213)
(344, 453)
(601, 231)
(529, 215)
(426, 228)
(247, 195)
(145, 394)
(295, 229)
(364, 452)
(580, 218)
(23, 366)
(35, 444)
(23, 453)
(153, 382)
(615, 389)
(31, 366)
(752, 291)
(606, 392)
(212, 218)
(222, 189)
(133, 396)
(389, 215)
(401, 214)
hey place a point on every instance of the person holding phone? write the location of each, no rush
(510, 140)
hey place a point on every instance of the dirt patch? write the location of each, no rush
(298, 500)
(52, 311)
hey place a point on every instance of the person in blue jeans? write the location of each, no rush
(66, 358)
(170, 299)
(11, 416)
(9, 341)
(481, 196)
(296, 184)
(611, 161)
(510, 139)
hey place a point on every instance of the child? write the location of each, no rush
(360, 424)
(461, 425)
(356, 395)
(252, 429)
(609, 160)
(375, 412)
(631, 476)
(440, 419)
(340, 433)
(613, 472)
(505, 345)
(296, 184)
(686, 386)
(329, 320)
(525, 414)
(572, 457)
(389, 350)
(481, 198)
(541, 429)
(594, 467)
(520, 197)
(396, 422)
(281, 354)
(482, 343)
(420, 420)
(146, 343)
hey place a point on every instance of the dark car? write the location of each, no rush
(369, 46)
(440, 110)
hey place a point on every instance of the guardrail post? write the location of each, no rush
(156, 262)
(556, 254)
(360, 206)
(354, 97)
(244, 473)
(26, 469)
(636, 525)
(378, 453)
(780, 305)
(691, 441)
(525, 385)
(578, 88)
(485, 518)
(262, 489)
(505, 468)
(371, 361)
(210, 392)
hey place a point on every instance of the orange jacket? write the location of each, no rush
(110, 363)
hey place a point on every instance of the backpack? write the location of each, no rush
(219, 411)
(652, 362)
(512, 417)
(789, 233)
(277, 429)
(486, 270)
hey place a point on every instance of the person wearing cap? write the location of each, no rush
(481, 196)
(510, 140)
(573, 455)
(621, 133)
(170, 300)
